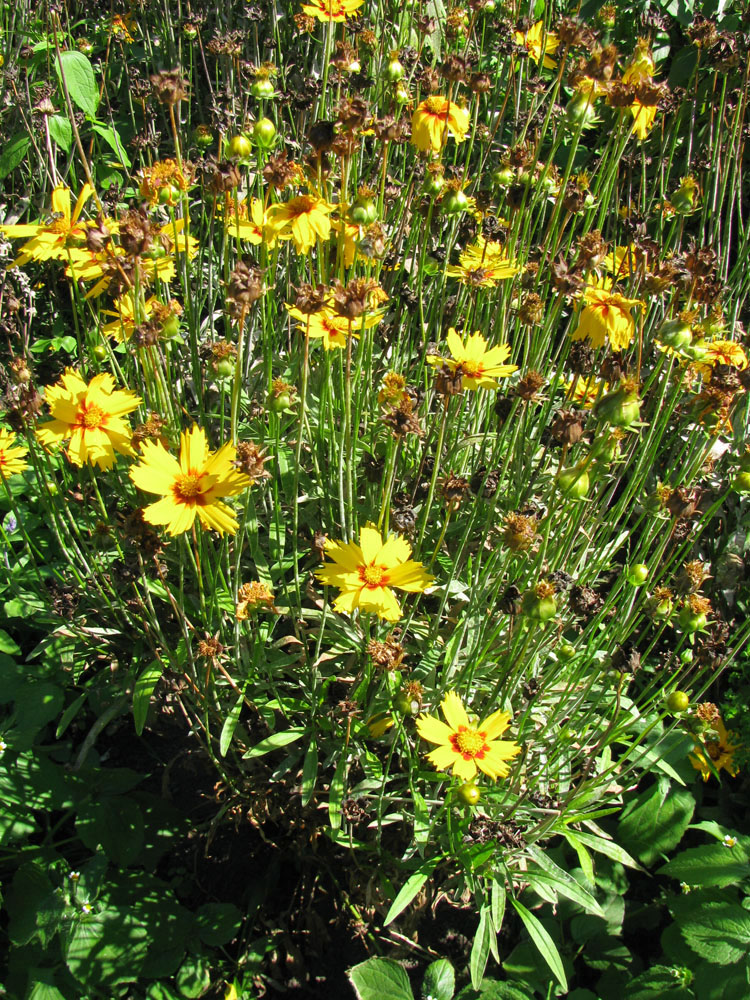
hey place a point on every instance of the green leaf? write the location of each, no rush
(274, 742)
(653, 822)
(113, 140)
(79, 78)
(543, 941)
(13, 153)
(710, 865)
(142, 691)
(8, 645)
(380, 979)
(661, 982)
(61, 131)
(230, 723)
(336, 793)
(490, 989)
(194, 976)
(117, 824)
(718, 932)
(410, 889)
(29, 888)
(564, 883)
(608, 849)
(106, 949)
(43, 990)
(309, 773)
(498, 898)
(480, 949)
(439, 981)
(217, 923)
(69, 714)
(719, 982)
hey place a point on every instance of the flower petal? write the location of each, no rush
(454, 711)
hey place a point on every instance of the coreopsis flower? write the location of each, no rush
(720, 751)
(164, 181)
(12, 458)
(90, 416)
(304, 217)
(248, 220)
(479, 366)
(539, 45)
(641, 68)
(331, 10)
(465, 747)
(332, 329)
(483, 264)
(194, 485)
(433, 119)
(121, 328)
(722, 352)
(644, 116)
(606, 316)
(61, 237)
(367, 573)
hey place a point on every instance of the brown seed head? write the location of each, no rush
(169, 86)
(250, 461)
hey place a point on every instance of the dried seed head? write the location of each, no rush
(529, 385)
(520, 532)
(169, 86)
(250, 461)
(567, 427)
(387, 655)
(310, 300)
(245, 287)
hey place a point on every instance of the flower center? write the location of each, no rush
(93, 416)
(469, 742)
(372, 576)
(437, 106)
(188, 486)
(472, 368)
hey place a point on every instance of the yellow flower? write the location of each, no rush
(585, 392)
(192, 486)
(606, 317)
(538, 48)
(332, 328)
(365, 573)
(331, 10)
(644, 116)
(90, 416)
(621, 262)
(251, 225)
(433, 119)
(305, 216)
(250, 597)
(122, 327)
(483, 264)
(466, 747)
(641, 68)
(720, 751)
(11, 458)
(722, 352)
(481, 367)
(54, 239)
(162, 182)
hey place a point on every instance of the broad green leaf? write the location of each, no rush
(718, 932)
(69, 714)
(194, 976)
(710, 865)
(142, 691)
(79, 77)
(217, 923)
(659, 983)
(30, 886)
(480, 949)
(113, 140)
(410, 889)
(8, 645)
(498, 898)
(230, 723)
(106, 949)
(490, 989)
(274, 742)
(439, 981)
(720, 982)
(10, 157)
(653, 822)
(43, 990)
(61, 131)
(546, 946)
(380, 979)
(117, 824)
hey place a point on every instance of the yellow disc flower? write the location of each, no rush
(249, 223)
(606, 317)
(466, 747)
(480, 366)
(538, 45)
(332, 328)
(722, 352)
(720, 751)
(54, 239)
(11, 458)
(90, 416)
(305, 217)
(331, 10)
(365, 573)
(192, 486)
(433, 119)
(483, 264)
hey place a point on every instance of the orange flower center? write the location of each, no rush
(372, 576)
(93, 416)
(437, 107)
(472, 368)
(187, 486)
(469, 743)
